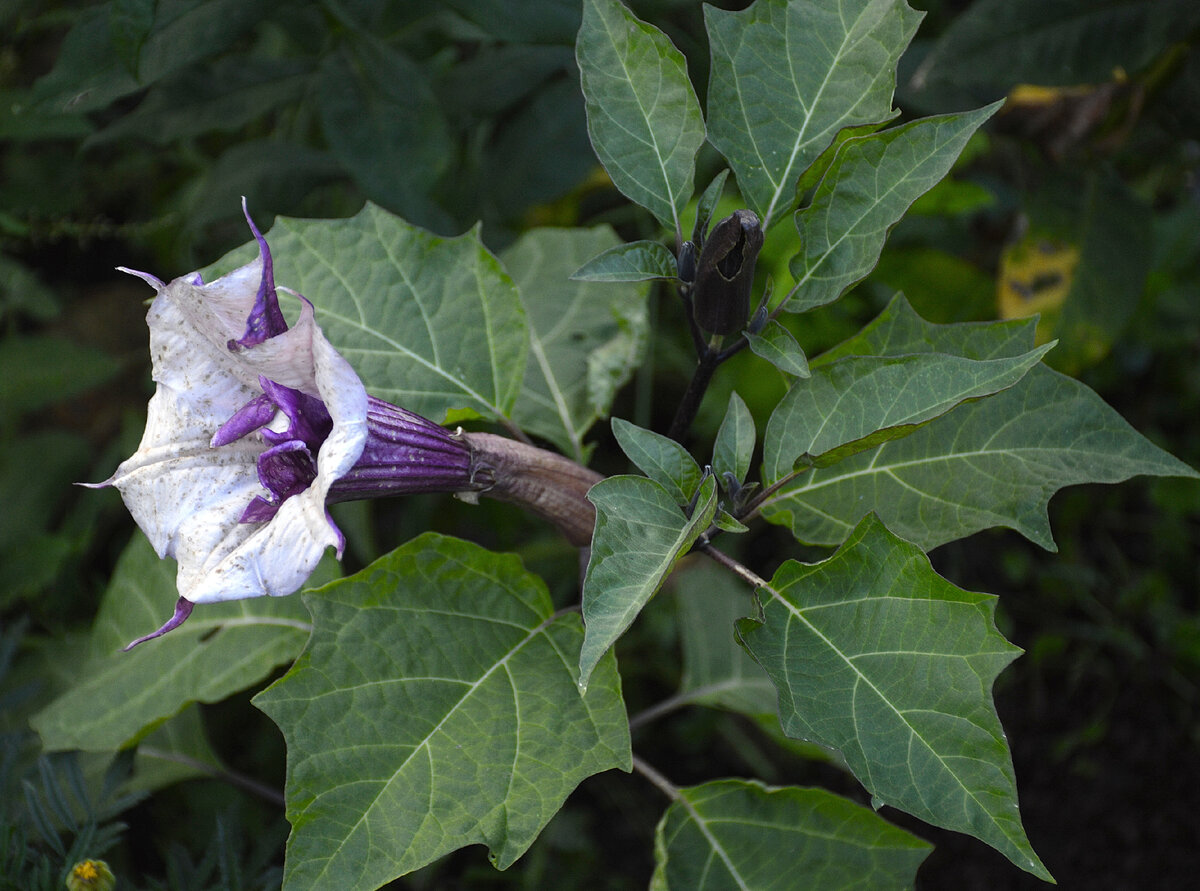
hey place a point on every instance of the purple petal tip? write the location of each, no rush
(183, 609)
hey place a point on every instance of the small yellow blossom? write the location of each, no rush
(91, 875)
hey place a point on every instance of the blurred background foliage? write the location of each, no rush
(128, 131)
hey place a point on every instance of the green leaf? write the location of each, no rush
(274, 171)
(643, 115)
(740, 834)
(89, 73)
(726, 522)
(871, 183)
(377, 107)
(776, 344)
(641, 532)
(854, 403)
(899, 331)
(637, 261)
(818, 168)
(575, 330)
(436, 706)
(224, 95)
(129, 24)
(537, 153)
(994, 44)
(787, 76)
(995, 462)
(662, 459)
(716, 671)
(522, 21)
(222, 648)
(434, 324)
(734, 445)
(878, 657)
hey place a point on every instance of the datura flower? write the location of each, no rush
(253, 429)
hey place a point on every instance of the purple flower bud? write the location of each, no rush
(725, 273)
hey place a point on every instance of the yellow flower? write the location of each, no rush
(91, 875)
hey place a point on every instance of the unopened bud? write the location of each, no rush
(687, 263)
(725, 273)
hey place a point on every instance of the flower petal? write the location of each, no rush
(183, 609)
(189, 497)
(265, 319)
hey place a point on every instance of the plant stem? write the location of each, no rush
(694, 395)
(664, 785)
(754, 505)
(663, 707)
(262, 790)
(743, 572)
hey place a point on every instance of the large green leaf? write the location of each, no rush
(433, 324)
(995, 462)
(643, 115)
(222, 648)
(878, 657)
(787, 76)
(857, 402)
(436, 706)
(736, 834)
(641, 532)
(584, 339)
(871, 183)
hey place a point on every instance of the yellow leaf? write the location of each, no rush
(1035, 277)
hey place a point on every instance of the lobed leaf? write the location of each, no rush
(878, 657)
(641, 532)
(643, 116)
(869, 186)
(222, 648)
(430, 323)
(787, 75)
(854, 403)
(584, 339)
(739, 834)
(995, 462)
(436, 706)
